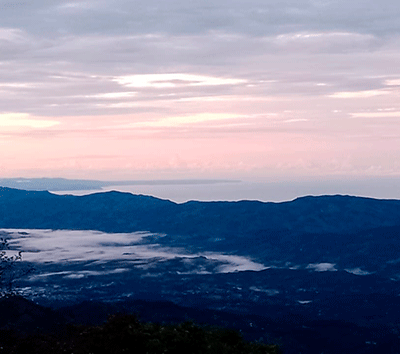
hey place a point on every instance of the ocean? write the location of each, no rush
(382, 188)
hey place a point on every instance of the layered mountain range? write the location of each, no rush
(351, 232)
(283, 267)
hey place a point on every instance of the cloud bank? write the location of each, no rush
(259, 89)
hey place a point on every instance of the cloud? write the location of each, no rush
(253, 17)
(112, 71)
(393, 82)
(113, 95)
(76, 6)
(16, 85)
(12, 34)
(174, 80)
(185, 120)
(329, 41)
(295, 120)
(17, 120)
(322, 267)
(359, 94)
(383, 114)
(41, 246)
(357, 271)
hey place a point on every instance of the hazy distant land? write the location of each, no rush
(63, 184)
(183, 190)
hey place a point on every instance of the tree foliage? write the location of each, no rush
(10, 268)
(126, 334)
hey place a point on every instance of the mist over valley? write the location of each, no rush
(285, 267)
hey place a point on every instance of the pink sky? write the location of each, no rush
(219, 96)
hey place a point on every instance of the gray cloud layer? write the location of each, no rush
(54, 48)
(309, 66)
(254, 17)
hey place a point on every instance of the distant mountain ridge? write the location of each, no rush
(352, 232)
(125, 212)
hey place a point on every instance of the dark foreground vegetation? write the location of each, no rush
(39, 330)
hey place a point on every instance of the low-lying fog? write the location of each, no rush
(67, 246)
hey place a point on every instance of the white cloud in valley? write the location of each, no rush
(60, 246)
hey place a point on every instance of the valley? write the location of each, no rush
(302, 273)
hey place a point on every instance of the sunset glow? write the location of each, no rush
(257, 91)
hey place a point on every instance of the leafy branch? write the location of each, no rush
(10, 269)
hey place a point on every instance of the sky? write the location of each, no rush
(252, 90)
